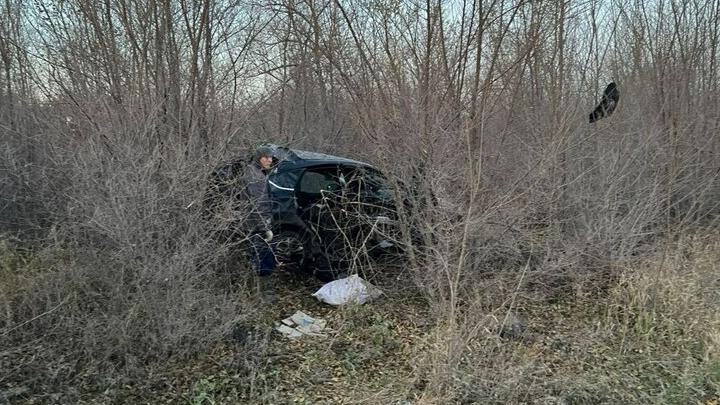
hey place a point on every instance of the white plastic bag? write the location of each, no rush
(350, 290)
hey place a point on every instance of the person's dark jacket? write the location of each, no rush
(255, 193)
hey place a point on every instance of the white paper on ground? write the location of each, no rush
(301, 324)
(288, 331)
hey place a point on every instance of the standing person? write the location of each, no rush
(258, 221)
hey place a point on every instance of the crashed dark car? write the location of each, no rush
(328, 211)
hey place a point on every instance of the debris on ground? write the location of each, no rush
(301, 324)
(349, 290)
(513, 325)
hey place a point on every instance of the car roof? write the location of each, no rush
(290, 159)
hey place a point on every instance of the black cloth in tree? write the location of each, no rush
(607, 105)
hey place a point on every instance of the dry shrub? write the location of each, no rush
(573, 225)
(103, 151)
(652, 339)
(125, 278)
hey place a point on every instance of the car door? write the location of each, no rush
(317, 194)
(321, 205)
(282, 186)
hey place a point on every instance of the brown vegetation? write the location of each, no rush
(602, 236)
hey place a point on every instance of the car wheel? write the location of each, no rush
(289, 248)
(328, 260)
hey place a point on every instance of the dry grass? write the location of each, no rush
(652, 339)
(602, 237)
(118, 294)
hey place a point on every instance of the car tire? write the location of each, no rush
(289, 248)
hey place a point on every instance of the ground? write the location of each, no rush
(366, 354)
(396, 350)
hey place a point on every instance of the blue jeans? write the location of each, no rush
(261, 255)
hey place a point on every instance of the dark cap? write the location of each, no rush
(261, 151)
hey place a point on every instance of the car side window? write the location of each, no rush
(314, 182)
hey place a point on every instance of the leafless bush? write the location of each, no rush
(125, 275)
(112, 120)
